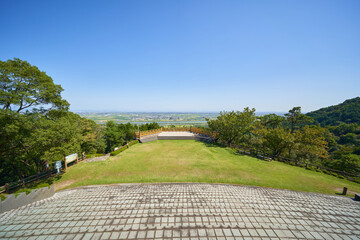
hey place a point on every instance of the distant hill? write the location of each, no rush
(346, 112)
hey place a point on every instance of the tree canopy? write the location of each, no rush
(24, 86)
(233, 127)
(346, 112)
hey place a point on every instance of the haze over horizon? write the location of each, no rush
(190, 56)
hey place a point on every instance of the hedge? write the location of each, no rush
(123, 148)
(133, 143)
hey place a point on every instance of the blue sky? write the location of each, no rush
(189, 55)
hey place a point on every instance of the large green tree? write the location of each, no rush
(296, 118)
(35, 125)
(275, 140)
(24, 86)
(233, 127)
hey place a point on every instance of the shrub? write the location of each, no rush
(123, 148)
(114, 153)
(133, 143)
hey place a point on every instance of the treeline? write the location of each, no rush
(344, 113)
(294, 136)
(118, 134)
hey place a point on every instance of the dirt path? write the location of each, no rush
(96, 159)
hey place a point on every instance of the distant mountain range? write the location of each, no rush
(346, 112)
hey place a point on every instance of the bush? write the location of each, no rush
(123, 148)
(133, 143)
(114, 153)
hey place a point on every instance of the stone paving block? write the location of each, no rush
(115, 235)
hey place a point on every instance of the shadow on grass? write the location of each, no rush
(38, 184)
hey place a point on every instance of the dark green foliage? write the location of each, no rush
(346, 162)
(343, 121)
(272, 120)
(233, 127)
(29, 141)
(296, 119)
(346, 112)
(117, 134)
(114, 153)
(33, 138)
(293, 139)
(133, 143)
(149, 126)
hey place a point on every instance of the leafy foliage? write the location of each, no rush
(295, 118)
(273, 135)
(123, 148)
(233, 127)
(23, 86)
(33, 138)
(346, 112)
(149, 126)
(117, 134)
(343, 121)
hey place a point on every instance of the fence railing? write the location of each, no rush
(22, 182)
(176, 129)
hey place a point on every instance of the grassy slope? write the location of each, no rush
(191, 161)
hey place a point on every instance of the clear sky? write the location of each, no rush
(190, 55)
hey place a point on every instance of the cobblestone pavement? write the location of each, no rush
(184, 211)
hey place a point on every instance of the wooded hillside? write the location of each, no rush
(346, 112)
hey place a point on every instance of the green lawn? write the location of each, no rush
(192, 161)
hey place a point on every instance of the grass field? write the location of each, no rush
(192, 161)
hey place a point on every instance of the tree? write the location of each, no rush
(295, 117)
(149, 126)
(271, 120)
(275, 140)
(311, 144)
(24, 86)
(114, 136)
(30, 140)
(233, 127)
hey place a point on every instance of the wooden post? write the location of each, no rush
(344, 191)
(83, 156)
(65, 164)
(77, 158)
(7, 188)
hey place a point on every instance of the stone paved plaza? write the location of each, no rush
(184, 211)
